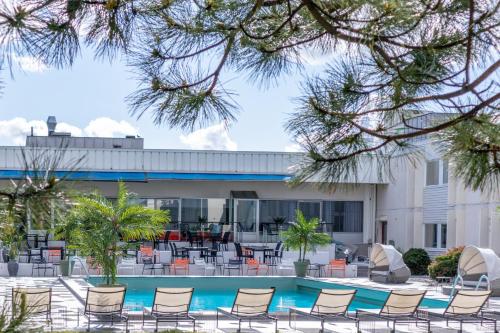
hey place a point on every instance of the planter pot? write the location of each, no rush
(66, 267)
(13, 267)
(301, 268)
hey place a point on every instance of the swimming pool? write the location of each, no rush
(213, 292)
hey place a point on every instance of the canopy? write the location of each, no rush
(386, 255)
(479, 261)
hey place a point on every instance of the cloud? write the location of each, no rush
(107, 127)
(30, 64)
(293, 148)
(14, 131)
(211, 138)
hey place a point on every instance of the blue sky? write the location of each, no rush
(90, 90)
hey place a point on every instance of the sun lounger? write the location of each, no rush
(250, 304)
(171, 305)
(465, 307)
(105, 304)
(330, 305)
(399, 307)
(38, 302)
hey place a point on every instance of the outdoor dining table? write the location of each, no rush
(259, 248)
(190, 249)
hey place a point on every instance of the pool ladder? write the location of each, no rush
(478, 284)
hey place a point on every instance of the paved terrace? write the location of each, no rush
(66, 307)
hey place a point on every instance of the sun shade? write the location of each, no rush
(475, 261)
(386, 256)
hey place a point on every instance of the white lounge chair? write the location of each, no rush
(387, 265)
(171, 305)
(250, 304)
(400, 306)
(105, 304)
(37, 301)
(465, 307)
(330, 305)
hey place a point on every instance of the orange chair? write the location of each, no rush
(180, 264)
(337, 265)
(54, 256)
(254, 265)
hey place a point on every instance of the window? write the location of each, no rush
(310, 209)
(217, 210)
(246, 214)
(435, 235)
(270, 209)
(445, 172)
(192, 210)
(436, 172)
(432, 173)
(172, 205)
(343, 216)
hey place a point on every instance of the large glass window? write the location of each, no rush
(172, 205)
(192, 210)
(270, 209)
(246, 214)
(217, 210)
(343, 216)
(310, 209)
(435, 235)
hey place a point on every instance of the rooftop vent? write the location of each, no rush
(51, 124)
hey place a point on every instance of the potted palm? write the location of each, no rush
(96, 226)
(301, 235)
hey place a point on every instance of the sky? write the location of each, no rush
(88, 99)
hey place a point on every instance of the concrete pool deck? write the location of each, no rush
(67, 304)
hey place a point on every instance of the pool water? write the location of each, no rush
(213, 292)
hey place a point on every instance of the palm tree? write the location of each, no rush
(301, 235)
(96, 225)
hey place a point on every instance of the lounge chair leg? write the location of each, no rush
(194, 325)
(239, 326)
(156, 329)
(322, 326)
(276, 325)
(217, 319)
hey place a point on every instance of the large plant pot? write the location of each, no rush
(13, 267)
(66, 267)
(301, 268)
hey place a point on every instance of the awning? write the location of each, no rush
(244, 195)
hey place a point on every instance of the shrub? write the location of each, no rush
(417, 261)
(446, 264)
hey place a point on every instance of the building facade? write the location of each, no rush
(421, 205)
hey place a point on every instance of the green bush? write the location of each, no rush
(446, 264)
(417, 261)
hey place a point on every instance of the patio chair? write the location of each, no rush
(465, 306)
(273, 257)
(233, 265)
(255, 266)
(250, 304)
(330, 305)
(39, 264)
(240, 254)
(177, 253)
(206, 266)
(105, 304)
(336, 265)
(38, 302)
(400, 306)
(180, 265)
(225, 240)
(171, 305)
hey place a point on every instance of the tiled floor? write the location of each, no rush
(66, 307)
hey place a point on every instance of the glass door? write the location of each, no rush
(246, 218)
